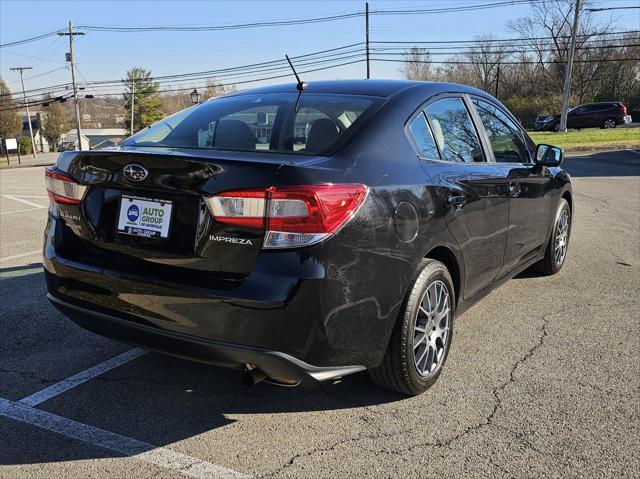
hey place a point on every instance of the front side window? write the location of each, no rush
(504, 135)
(453, 131)
(262, 122)
(423, 138)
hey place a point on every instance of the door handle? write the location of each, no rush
(457, 200)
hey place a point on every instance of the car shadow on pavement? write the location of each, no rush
(154, 398)
(606, 163)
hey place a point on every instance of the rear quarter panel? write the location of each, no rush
(368, 267)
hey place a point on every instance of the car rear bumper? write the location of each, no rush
(294, 304)
(275, 364)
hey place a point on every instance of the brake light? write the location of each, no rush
(292, 216)
(623, 108)
(63, 189)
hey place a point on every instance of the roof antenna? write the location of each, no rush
(301, 84)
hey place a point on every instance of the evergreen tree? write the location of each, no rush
(147, 105)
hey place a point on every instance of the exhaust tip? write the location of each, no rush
(251, 377)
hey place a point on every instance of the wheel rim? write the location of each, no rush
(562, 236)
(609, 124)
(431, 330)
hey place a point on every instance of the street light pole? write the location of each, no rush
(366, 6)
(71, 34)
(567, 77)
(26, 105)
(133, 99)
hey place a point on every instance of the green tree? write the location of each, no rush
(24, 143)
(54, 122)
(147, 105)
(10, 123)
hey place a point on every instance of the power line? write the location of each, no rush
(242, 68)
(385, 51)
(464, 62)
(499, 40)
(30, 39)
(275, 23)
(603, 9)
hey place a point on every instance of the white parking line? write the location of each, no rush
(81, 377)
(159, 456)
(22, 200)
(21, 255)
(31, 196)
(19, 211)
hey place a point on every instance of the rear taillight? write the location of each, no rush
(63, 189)
(623, 108)
(241, 208)
(292, 216)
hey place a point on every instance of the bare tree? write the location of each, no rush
(485, 59)
(417, 64)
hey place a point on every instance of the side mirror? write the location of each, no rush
(547, 155)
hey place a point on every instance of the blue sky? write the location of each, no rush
(107, 56)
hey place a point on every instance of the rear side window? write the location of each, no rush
(262, 122)
(423, 138)
(453, 131)
(504, 135)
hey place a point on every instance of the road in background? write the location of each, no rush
(543, 378)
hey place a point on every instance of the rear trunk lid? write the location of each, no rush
(143, 211)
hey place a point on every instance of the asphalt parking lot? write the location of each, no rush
(543, 379)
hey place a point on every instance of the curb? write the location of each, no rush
(30, 165)
(603, 150)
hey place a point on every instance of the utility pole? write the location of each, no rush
(26, 105)
(497, 82)
(366, 15)
(70, 59)
(567, 76)
(133, 99)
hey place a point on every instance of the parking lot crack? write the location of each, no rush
(487, 421)
(496, 392)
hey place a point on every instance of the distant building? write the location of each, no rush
(94, 136)
(41, 142)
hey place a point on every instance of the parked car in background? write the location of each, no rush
(66, 146)
(590, 115)
(351, 247)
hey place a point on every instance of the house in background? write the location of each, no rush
(91, 137)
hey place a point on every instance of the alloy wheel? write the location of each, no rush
(609, 123)
(562, 236)
(431, 330)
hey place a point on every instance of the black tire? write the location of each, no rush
(609, 123)
(556, 127)
(398, 371)
(549, 264)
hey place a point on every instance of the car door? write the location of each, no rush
(471, 193)
(529, 186)
(576, 117)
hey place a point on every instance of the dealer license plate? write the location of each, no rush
(144, 217)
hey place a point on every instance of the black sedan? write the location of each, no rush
(306, 233)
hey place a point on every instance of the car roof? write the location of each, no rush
(382, 88)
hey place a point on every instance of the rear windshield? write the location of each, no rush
(267, 122)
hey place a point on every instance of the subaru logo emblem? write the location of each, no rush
(135, 172)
